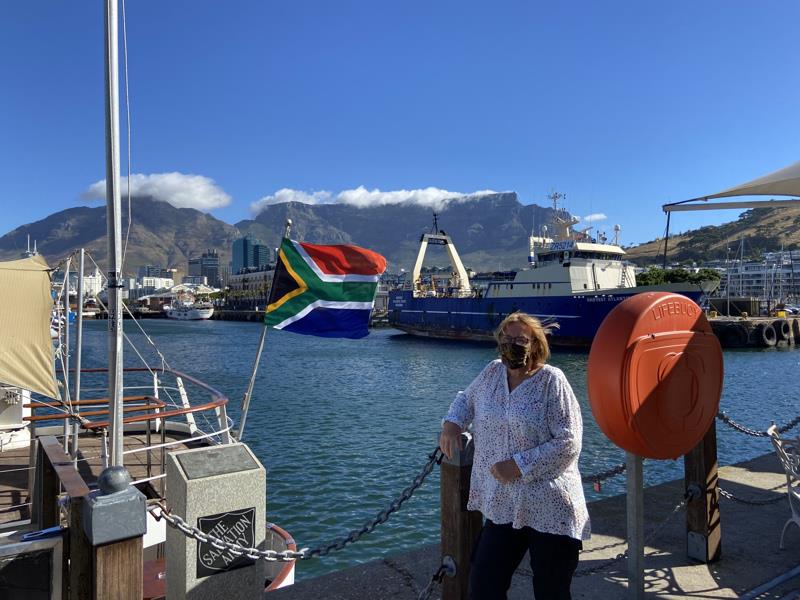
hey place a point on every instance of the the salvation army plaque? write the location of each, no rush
(237, 527)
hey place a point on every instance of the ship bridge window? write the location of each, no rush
(594, 255)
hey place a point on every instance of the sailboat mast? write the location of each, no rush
(114, 224)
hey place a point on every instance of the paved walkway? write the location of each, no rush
(750, 555)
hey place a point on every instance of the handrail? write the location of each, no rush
(152, 404)
(161, 415)
(148, 369)
(59, 403)
(62, 464)
(218, 402)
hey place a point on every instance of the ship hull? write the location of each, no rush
(190, 314)
(578, 316)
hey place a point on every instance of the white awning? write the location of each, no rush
(26, 307)
(784, 182)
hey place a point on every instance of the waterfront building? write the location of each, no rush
(776, 277)
(93, 284)
(206, 265)
(250, 253)
(250, 288)
(195, 279)
(153, 271)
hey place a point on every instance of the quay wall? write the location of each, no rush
(750, 556)
(756, 332)
(733, 332)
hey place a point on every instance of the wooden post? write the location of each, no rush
(635, 502)
(80, 554)
(460, 527)
(703, 529)
(118, 570)
(46, 486)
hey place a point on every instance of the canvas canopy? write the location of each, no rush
(26, 350)
(784, 182)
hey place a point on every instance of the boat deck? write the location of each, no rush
(15, 468)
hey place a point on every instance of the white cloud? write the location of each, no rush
(289, 195)
(177, 189)
(592, 218)
(361, 197)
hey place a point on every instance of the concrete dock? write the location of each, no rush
(752, 566)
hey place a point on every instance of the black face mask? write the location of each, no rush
(514, 356)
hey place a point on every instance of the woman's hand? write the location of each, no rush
(450, 439)
(505, 471)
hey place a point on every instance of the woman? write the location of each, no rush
(525, 480)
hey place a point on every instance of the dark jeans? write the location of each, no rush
(500, 549)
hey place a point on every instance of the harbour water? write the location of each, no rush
(343, 426)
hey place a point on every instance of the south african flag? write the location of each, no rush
(324, 290)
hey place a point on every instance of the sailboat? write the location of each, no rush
(74, 441)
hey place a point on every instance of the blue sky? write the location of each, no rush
(623, 106)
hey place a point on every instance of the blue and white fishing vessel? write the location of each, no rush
(573, 282)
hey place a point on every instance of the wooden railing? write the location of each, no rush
(89, 572)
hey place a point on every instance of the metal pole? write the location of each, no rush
(78, 348)
(249, 393)
(635, 501)
(728, 279)
(67, 423)
(114, 225)
(666, 241)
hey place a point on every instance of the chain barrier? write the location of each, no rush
(447, 568)
(159, 511)
(751, 502)
(722, 416)
(621, 556)
(598, 478)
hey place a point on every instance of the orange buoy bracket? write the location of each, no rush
(655, 375)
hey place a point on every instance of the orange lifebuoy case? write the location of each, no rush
(655, 375)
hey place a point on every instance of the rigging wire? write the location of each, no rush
(127, 130)
(164, 362)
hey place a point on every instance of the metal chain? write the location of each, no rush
(598, 478)
(435, 580)
(606, 564)
(756, 502)
(158, 510)
(448, 567)
(754, 432)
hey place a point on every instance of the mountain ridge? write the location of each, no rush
(490, 232)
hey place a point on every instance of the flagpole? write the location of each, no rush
(249, 393)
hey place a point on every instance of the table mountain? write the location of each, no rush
(490, 232)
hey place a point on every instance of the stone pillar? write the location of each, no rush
(222, 491)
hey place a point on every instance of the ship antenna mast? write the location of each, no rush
(435, 223)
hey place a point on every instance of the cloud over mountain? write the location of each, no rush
(178, 189)
(361, 197)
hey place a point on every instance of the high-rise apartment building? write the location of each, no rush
(206, 266)
(153, 271)
(250, 253)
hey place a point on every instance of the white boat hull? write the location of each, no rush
(190, 313)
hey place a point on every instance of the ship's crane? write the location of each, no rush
(440, 238)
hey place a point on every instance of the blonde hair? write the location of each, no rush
(540, 349)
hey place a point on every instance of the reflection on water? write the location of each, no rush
(343, 426)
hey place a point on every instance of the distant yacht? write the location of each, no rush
(195, 311)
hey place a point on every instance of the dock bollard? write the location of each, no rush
(460, 527)
(114, 521)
